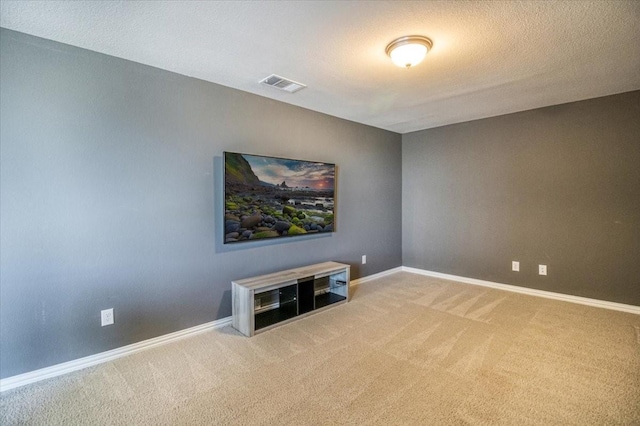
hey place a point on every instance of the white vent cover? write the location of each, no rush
(282, 83)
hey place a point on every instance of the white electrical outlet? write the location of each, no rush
(542, 269)
(106, 317)
(364, 259)
(515, 266)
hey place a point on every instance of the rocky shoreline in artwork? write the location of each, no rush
(253, 213)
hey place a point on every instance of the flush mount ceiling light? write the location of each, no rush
(408, 51)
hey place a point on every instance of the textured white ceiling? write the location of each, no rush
(489, 58)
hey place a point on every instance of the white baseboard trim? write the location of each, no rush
(79, 364)
(376, 276)
(530, 291)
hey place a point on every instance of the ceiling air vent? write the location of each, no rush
(282, 83)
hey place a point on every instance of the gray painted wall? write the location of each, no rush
(557, 186)
(110, 197)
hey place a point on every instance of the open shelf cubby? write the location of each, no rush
(263, 302)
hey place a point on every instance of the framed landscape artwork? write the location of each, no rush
(270, 197)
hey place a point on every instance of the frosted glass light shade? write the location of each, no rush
(408, 51)
(408, 55)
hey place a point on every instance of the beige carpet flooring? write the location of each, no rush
(407, 350)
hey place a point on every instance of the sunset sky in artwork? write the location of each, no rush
(295, 173)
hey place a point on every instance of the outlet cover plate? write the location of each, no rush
(106, 317)
(542, 269)
(515, 266)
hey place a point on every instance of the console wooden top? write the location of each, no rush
(292, 275)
